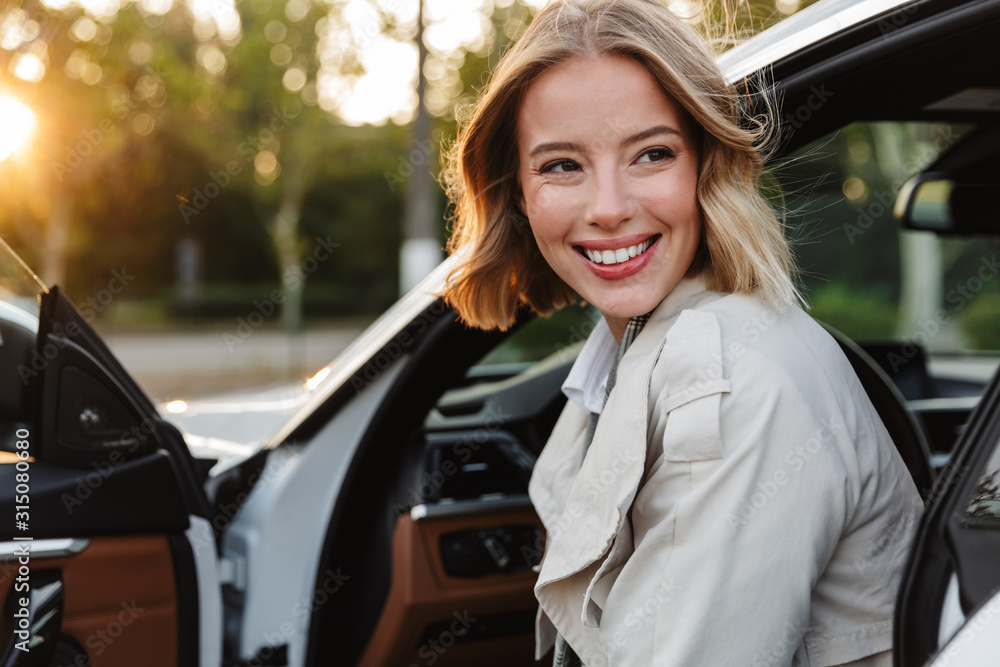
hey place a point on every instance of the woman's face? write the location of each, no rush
(608, 171)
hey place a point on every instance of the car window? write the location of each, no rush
(19, 362)
(862, 273)
(925, 307)
(562, 331)
(985, 500)
(19, 287)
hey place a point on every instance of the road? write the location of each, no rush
(191, 364)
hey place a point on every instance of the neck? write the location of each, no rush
(617, 326)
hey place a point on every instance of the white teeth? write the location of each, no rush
(617, 256)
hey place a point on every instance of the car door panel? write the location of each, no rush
(88, 407)
(429, 614)
(103, 500)
(438, 437)
(954, 554)
(466, 537)
(108, 472)
(126, 619)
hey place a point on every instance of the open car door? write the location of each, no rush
(106, 550)
(949, 602)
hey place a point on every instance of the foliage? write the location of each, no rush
(180, 113)
(981, 322)
(860, 315)
(161, 127)
(547, 335)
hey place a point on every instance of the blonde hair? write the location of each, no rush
(743, 247)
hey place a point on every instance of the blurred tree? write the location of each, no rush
(96, 170)
(902, 150)
(246, 98)
(203, 107)
(234, 123)
(70, 146)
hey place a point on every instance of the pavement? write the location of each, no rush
(202, 363)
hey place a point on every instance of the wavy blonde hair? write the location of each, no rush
(743, 246)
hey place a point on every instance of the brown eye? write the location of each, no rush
(560, 167)
(656, 155)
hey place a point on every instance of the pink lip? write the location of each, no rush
(625, 269)
(614, 244)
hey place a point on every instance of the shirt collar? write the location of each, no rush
(587, 379)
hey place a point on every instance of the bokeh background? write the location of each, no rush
(232, 189)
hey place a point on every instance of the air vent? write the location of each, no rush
(466, 465)
(461, 409)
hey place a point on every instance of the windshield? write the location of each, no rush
(19, 290)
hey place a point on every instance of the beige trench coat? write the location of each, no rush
(741, 502)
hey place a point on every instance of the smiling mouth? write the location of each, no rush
(618, 256)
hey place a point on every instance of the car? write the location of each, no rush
(377, 513)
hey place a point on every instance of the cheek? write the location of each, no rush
(537, 202)
(546, 198)
(678, 197)
(546, 214)
(549, 233)
(544, 233)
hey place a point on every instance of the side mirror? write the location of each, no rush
(938, 202)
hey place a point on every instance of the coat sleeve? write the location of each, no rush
(751, 483)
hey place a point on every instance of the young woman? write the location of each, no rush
(718, 490)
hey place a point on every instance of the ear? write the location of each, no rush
(520, 204)
(517, 214)
(519, 201)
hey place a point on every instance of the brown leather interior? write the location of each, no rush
(422, 595)
(121, 601)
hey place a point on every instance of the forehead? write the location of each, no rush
(594, 97)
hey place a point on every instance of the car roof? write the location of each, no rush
(813, 24)
(932, 61)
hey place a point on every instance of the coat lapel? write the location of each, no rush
(583, 522)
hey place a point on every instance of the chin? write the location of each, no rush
(626, 309)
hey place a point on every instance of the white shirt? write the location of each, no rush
(589, 375)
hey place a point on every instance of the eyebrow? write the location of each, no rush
(553, 146)
(571, 146)
(650, 133)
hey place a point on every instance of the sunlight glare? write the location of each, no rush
(28, 66)
(385, 91)
(216, 17)
(315, 380)
(156, 7)
(17, 123)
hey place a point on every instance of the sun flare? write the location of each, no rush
(17, 123)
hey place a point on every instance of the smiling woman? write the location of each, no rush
(17, 124)
(642, 166)
(708, 415)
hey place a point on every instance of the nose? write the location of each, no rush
(610, 203)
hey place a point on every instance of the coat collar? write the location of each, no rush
(583, 519)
